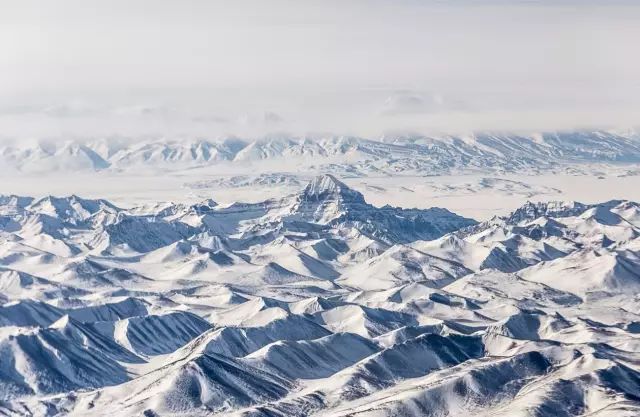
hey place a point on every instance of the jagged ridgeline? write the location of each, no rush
(317, 303)
(350, 155)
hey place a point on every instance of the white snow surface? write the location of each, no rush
(316, 303)
(478, 175)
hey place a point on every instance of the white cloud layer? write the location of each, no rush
(199, 67)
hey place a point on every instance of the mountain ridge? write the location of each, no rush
(426, 155)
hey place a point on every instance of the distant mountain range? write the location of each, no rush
(337, 154)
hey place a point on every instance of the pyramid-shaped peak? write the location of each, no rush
(325, 183)
(327, 187)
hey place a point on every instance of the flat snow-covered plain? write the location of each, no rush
(479, 196)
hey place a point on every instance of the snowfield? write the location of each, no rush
(319, 302)
(478, 175)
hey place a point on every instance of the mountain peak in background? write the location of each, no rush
(338, 155)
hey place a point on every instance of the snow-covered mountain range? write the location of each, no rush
(319, 303)
(338, 154)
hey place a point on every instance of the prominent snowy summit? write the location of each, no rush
(328, 201)
(328, 187)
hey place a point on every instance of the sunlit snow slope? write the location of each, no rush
(317, 303)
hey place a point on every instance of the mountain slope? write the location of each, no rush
(318, 303)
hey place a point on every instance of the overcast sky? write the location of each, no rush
(209, 68)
